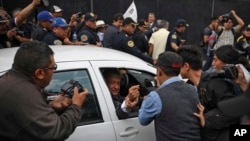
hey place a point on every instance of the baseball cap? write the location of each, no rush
(170, 60)
(181, 22)
(142, 22)
(90, 17)
(45, 16)
(59, 22)
(100, 23)
(128, 20)
(56, 8)
(3, 18)
(247, 27)
(236, 107)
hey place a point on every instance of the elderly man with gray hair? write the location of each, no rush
(158, 40)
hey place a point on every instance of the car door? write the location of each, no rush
(96, 124)
(126, 129)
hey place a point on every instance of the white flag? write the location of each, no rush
(131, 12)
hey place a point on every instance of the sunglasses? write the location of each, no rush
(51, 68)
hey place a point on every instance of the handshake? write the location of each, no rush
(132, 98)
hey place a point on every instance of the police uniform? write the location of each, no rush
(24, 29)
(125, 43)
(242, 44)
(39, 33)
(4, 40)
(87, 35)
(141, 41)
(52, 39)
(173, 37)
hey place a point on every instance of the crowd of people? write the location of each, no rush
(190, 110)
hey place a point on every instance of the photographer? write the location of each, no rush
(229, 55)
(226, 32)
(212, 89)
(25, 113)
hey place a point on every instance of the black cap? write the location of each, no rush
(181, 22)
(246, 27)
(143, 23)
(129, 21)
(170, 61)
(90, 17)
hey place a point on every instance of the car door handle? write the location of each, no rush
(129, 132)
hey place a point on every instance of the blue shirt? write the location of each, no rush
(152, 105)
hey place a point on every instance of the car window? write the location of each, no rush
(91, 109)
(130, 77)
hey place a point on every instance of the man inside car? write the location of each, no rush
(123, 106)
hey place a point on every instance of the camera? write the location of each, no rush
(68, 87)
(147, 86)
(44, 3)
(18, 31)
(225, 17)
(230, 71)
(78, 15)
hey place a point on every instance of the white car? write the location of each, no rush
(86, 64)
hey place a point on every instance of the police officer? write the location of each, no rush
(45, 19)
(174, 40)
(88, 33)
(6, 36)
(123, 41)
(60, 32)
(243, 41)
(139, 36)
(56, 11)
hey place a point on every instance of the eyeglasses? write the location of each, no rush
(51, 68)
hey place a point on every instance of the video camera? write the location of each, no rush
(78, 15)
(147, 86)
(68, 87)
(19, 32)
(225, 17)
(229, 71)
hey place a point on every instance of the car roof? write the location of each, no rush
(65, 53)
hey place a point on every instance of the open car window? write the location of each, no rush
(130, 77)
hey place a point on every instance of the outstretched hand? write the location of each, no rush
(133, 92)
(200, 115)
(130, 104)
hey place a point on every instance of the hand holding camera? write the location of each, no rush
(230, 71)
(75, 91)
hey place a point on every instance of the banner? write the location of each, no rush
(131, 12)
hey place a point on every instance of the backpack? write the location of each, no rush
(205, 97)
